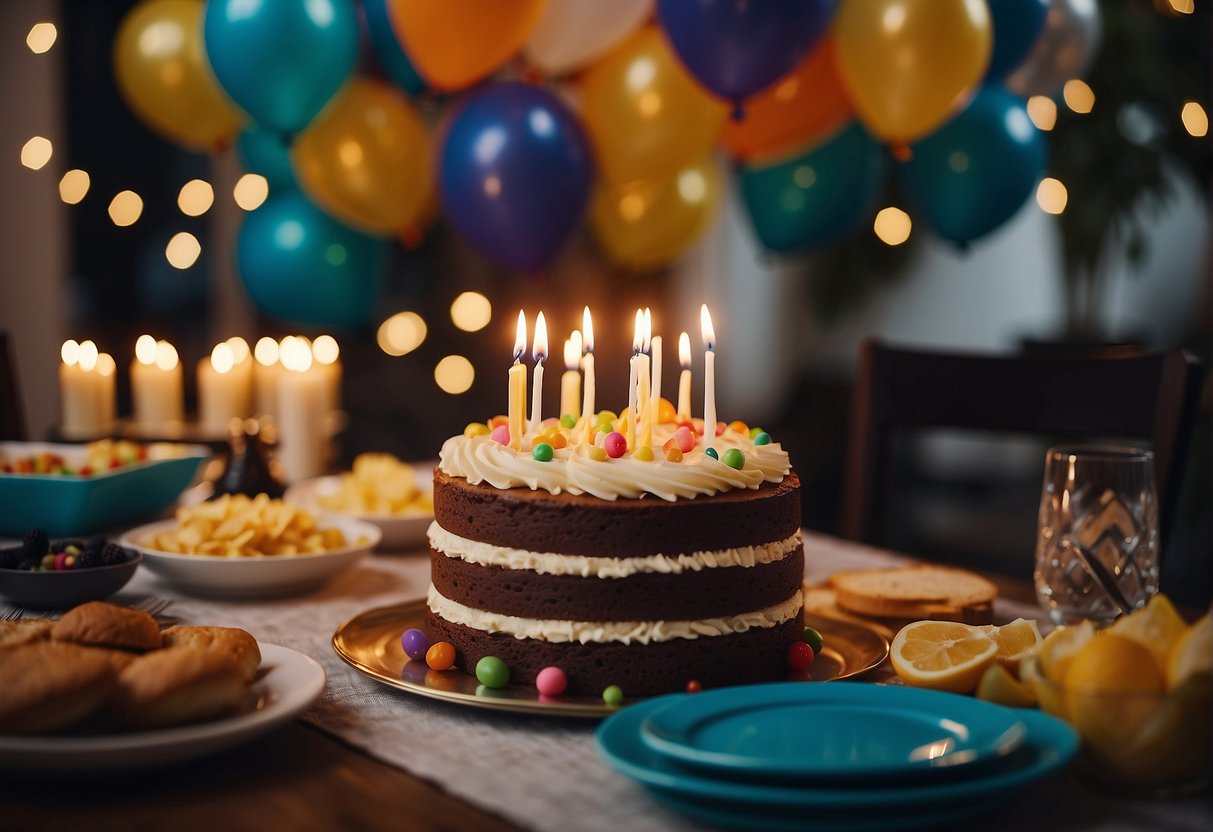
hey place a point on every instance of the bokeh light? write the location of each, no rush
(1051, 195)
(41, 37)
(250, 191)
(1043, 112)
(125, 208)
(892, 226)
(454, 374)
(471, 311)
(37, 152)
(182, 251)
(1079, 96)
(196, 198)
(1195, 119)
(401, 333)
(73, 187)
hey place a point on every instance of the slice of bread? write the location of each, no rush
(916, 592)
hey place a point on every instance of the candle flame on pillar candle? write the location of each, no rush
(570, 382)
(587, 409)
(145, 349)
(709, 374)
(88, 356)
(684, 378)
(70, 352)
(222, 359)
(239, 348)
(517, 386)
(325, 349)
(539, 351)
(295, 354)
(266, 351)
(166, 356)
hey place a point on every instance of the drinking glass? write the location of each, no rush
(1097, 536)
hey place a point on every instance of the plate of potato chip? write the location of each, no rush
(251, 547)
(396, 496)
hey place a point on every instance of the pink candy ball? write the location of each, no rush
(615, 445)
(685, 437)
(551, 681)
(501, 435)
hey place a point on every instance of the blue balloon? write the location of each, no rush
(738, 47)
(281, 60)
(268, 154)
(301, 265)
(388, 53)
(1017, 25)
(515, 173)
(817, 198)
(973, 174)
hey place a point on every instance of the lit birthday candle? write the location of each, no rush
(629, 421)
(517, 386)
(539, 351)
(709, 374)
(684, 378)
(587, 407)
(644, 384)
(570, 382)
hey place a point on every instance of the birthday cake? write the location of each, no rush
(646, 570)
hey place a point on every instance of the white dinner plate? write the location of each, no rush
(400, 531)
(253, 577)
(293, 682)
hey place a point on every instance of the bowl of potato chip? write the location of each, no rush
(239, 546)
(396, 496)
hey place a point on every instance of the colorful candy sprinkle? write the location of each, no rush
(476, 429)
(693, 686)
(613, 695)
(501, 435)
(738, 426)
(541, 453)
(673, 454)
(643, 454)
(615, 445)
(492, 672)
(441, 656)
(568, 420)
(597, 454)
(415, 643)
(734, 459)
(556, 440)
(498, 421)
(800, 655)
(665, 411)
(754, 432)
(763, 438)
(61, 561)
(551, 681)
(813, 639)
(685, 439)
(712, 453)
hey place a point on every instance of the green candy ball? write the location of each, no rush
(734, 459)
(568, 420)
(492, 672)
(754, 432)
(542, 452)
(763, 438)
(712, 453)
(813, 639)
(613, 695)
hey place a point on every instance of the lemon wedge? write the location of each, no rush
(997, 685)
(942, 655)
(1156, 627)
(1192, 654)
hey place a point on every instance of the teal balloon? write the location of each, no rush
(974, 173)
(267, 154)
(819, 197)
(281, 60)
(386, 47)
(302, 266)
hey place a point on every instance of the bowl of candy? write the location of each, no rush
(43, 574)
(78, 489)
(1139, 693)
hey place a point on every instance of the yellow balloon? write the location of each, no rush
(366, 159)
(645, 114)
(910, 64)
(162, 71)
(647, 224)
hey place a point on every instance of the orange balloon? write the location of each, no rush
(454, 43)
(807, 105)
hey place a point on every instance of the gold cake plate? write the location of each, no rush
(370, 643)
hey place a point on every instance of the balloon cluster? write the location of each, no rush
(611, 109)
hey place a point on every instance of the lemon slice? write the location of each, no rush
(1016, 641)
(1058, 649)
(997, 685)
(1192, 654)
(1052, 697)
(1156, 627)
(942, 655)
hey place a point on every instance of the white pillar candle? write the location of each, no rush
(222, 395)
(266, 370)
(630, 418)
(301, 417)
(242, 369)
(539, 351)
(570, 381)
(684, 378)
(79, 404)
(157, 385)
(709, 375)
(587, 408)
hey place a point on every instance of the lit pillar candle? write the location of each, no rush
(326, 357)
(684, 378)
(644, 396)
(709, 374)
(301, 431)
(539, 351)
(517, 386)
(265, 377)
(157, 385)
(80, 413)
(242, 370)
(587, 407)
(221, 394)
(570, 382)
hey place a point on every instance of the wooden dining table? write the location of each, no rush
(369, 757)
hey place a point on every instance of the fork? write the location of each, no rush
(12, 614)
(153, 606)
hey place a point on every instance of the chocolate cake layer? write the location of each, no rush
(570, 524)
(708, 593)
(757, 655)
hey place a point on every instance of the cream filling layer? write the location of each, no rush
(588, 566)
(561, 631)
(482, 459)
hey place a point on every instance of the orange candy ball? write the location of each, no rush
(440, 656)
(739, 426)
(666, 412)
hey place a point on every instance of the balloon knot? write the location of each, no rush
(901, 151)
(738, 110)
(531, 75)
(411, 237)
(962, 246)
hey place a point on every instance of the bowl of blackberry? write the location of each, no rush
(44, 574)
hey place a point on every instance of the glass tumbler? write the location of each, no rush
(1097, 533)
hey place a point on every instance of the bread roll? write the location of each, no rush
(108, 625)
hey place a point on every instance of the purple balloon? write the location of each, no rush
(738, 47)
(515, 173)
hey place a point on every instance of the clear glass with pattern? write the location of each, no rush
(1097, 533)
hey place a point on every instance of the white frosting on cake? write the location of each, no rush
(482, 459)
(587, 566)
(563, 631)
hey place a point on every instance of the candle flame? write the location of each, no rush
(166, 356)
(240, 350)
(325, 349)
(587, 330)
(145, 349)
(266, 351)
(638, 333)
(70, 352)
(88, 356)
(684, 350)
(648, 329)
(572, 350)
(705, 328)
(296, 354)
(222, 358)
(520, 337)
(539, 349)
(106, 365)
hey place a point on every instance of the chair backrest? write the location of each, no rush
(1150, 397)
(12, 418)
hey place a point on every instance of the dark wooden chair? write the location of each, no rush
(12, 417)
(1142, 397)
